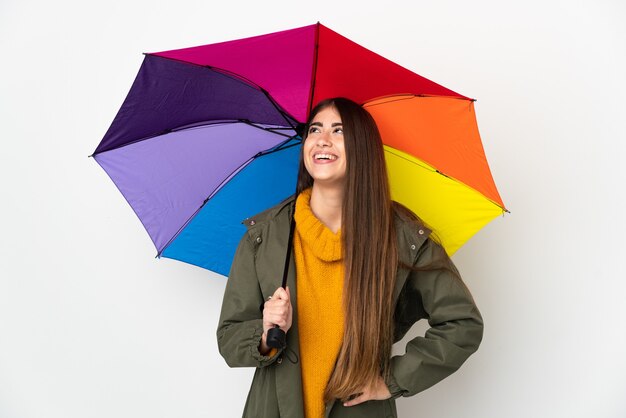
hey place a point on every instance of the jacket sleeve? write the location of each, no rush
(241, 321)
(438, 294)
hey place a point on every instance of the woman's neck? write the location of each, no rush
(326, 204)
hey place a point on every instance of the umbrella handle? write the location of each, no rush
(276, 337)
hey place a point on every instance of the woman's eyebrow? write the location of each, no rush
(332, 124)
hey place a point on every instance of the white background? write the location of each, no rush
(92, 325)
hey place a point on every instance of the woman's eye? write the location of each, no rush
(312, 130)
(339, 130)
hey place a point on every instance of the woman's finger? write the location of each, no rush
(378, 391)
(281, 293)
(280, 303)
(362, 397)
(275, 319)
(278, 308)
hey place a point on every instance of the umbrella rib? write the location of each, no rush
(272, 130)
(314, 70)
(425, 167)
(434, 170)
(279, 147)
(204, 123)
(224, 71)
(288, 118)
(249, 82)
(198, 125)
(407, 96)
(217, 188)
(167, 131)
(284, 114)
(276, 149)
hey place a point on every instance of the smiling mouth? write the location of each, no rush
(327, 157)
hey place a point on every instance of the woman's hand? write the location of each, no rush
(276, 311)
(379, 391)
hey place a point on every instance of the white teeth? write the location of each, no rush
(325, 157)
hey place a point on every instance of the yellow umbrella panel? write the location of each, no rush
(454, 211)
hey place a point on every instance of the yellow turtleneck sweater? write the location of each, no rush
(320, 272)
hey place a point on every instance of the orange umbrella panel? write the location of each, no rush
(440, 131)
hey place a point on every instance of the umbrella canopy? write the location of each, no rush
(207, 137)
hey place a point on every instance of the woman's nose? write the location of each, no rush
(323, 140)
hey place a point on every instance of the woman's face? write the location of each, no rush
(323, 151)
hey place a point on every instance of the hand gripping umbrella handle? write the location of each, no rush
(276, 337)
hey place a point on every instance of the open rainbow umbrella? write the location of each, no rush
(207, 136)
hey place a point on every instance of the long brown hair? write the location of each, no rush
(369, 249)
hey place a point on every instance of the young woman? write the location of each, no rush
(363, 271)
